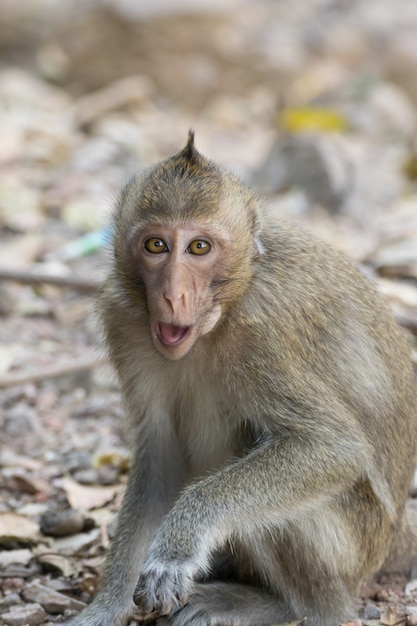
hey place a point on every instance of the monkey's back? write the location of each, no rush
(334, 343)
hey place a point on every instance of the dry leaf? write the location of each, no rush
(86, 498)
(102, 516)
(31, 613)
(390, 618)
(18, 480)
(9, 458)
(65, 565)
(14, 527)
(77, 543)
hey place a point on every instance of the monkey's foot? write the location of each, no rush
(230, 604)
(164, 587)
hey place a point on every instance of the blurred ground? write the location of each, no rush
(316, 106)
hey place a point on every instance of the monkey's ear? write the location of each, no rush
(256, 227)
(258, 245)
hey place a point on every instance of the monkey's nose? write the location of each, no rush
(175, 300)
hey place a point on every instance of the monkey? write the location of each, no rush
(270, 408)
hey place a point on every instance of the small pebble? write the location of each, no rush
(10, 599)
(26, 615)
(372, 612)
(62, 523)
(381, 596)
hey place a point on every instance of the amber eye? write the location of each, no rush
(199, 246)
(155, 245)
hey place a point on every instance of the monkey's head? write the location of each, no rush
(186, 237)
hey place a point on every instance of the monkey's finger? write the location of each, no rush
(163, 592)
(147, 602)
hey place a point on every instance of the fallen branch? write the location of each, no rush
(33, 277)
(78, 364)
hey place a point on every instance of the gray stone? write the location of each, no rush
(26, 615)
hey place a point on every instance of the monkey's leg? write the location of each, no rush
(154, 479)
(264, 490)
(231, 604)
(403, 552)
(300, 563)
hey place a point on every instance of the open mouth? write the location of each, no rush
(170, 334)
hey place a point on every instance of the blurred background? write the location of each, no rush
(314, 103)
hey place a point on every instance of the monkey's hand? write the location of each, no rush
(164, 586)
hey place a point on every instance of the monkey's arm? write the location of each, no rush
(271, 485)
(154, 480)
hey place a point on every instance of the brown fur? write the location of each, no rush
(271, 460)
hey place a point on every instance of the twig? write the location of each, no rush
(77, 364)
(31, 277)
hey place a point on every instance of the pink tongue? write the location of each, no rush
(170, 333)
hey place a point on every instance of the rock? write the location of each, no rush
(52, 601)
(26, 615)
(349, 175)
(10, 599)
(105, 475)
(12, 585)
(371, 611)
(382, 596)
(314, 162)
(62, 523)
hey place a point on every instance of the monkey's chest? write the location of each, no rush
(206, 427)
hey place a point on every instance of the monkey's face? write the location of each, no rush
(181, 268)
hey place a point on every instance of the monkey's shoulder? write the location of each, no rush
(299, 273)
(316, 310)
(296, 254)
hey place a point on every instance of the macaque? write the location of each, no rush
(271, 413)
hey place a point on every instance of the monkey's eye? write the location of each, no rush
(156, 245)
(199, 246)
